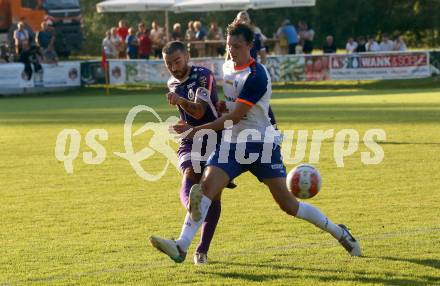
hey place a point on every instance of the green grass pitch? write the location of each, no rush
(91, 227)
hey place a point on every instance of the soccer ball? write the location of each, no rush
(304, 181)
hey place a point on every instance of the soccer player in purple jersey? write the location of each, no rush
(249, 94)
(193, 91)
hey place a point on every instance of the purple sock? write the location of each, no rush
(184, 191)
(208, 226)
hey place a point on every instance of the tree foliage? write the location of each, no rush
(417, 20)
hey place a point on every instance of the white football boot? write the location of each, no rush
(349, 242)
(169, 247)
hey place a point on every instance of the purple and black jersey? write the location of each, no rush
(199, 84)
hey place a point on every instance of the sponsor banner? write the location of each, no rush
(285, 68)
(317, 68)
(92, 73)
(213, 64)
(13, 76)
(62, 74)
(291, 68)
(143, 71)
(138, 72)
(117, 72)
(379, 66)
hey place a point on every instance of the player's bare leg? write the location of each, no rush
(307, 212)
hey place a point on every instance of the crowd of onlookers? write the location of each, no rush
(30, 48)
(144, 42)
(25, 41)
(367, 44)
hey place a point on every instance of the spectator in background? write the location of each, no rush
(200, 31)
(21, 39)
(122, 32)
(306, 36)
(215, 33)
(132, 44)
(4, 54)
(45, 38)
(288, 31)
(372, 46)
(399, 44)
(145, 44)
(257, 30)
(31, 58)
(361, 45)
(158, 38)
(116, 41)
(190, 34)
(351, 46)
(329, 46)
(386, 45)
(177, 34)
(258, 48)
(108, 47)
(46, 42)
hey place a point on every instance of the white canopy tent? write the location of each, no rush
(134, 5)
(194, 5)
(137, 6)
(224, 5)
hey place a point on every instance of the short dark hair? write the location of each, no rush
(237, 29)
(174, 46)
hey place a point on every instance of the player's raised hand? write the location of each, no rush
(173, 98)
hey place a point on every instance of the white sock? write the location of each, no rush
(314, 215)
(190, 227)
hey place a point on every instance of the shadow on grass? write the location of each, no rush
(433, 263)
(322, 274)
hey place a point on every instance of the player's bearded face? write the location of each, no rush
(177, 64)
(239, 49)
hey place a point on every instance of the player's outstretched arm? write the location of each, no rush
(235, 116)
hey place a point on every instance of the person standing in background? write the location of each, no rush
(122, 32)
(288, 31)
(132, 44)
(108, 47)
(143, 37)
(306, 36)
